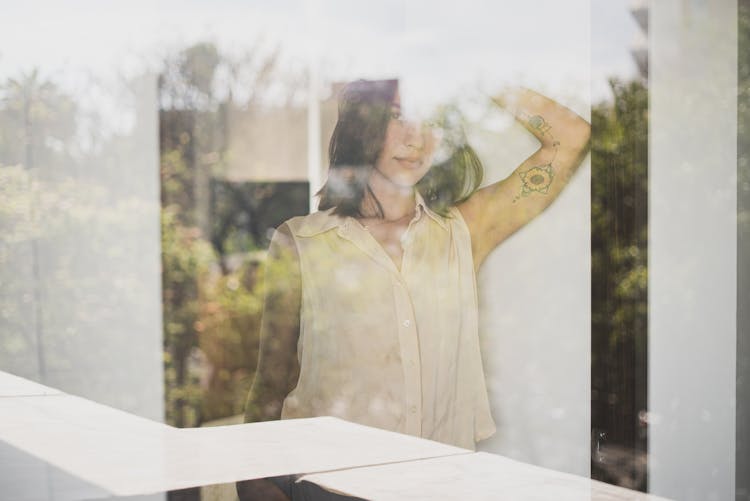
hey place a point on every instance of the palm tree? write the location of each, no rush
(37, 122)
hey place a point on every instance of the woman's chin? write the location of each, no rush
(403, 176)
(408, 181)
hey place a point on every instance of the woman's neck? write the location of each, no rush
(396, 201)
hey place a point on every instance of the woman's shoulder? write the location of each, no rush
(313, 224)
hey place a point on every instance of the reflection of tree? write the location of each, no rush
(186, 259)
(79, 299)
(211, 304)
(210, 280)
(230, 309)
(242, 213)
(619, 214)
(36, 121)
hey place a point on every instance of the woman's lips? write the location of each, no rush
(410, 161)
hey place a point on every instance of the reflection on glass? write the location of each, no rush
(619, 228)
(367, 309)
(225, 184)
(370, 305)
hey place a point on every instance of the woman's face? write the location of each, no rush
(407, 149)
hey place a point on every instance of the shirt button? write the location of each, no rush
(413, 409)
(407, 323)
(411, 363)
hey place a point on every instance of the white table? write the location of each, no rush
(123, 454)
(477, 477)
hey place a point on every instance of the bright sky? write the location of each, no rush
(438, 48)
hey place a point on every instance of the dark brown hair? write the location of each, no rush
(357, 140)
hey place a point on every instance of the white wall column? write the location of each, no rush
(692, 248)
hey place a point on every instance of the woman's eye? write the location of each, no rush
(396, 115)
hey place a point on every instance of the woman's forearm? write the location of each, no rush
(551, 123)
(500, 209)
(564, 138)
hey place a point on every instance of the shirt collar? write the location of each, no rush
(422, 207)
(321, 221)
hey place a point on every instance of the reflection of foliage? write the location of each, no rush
(42, 257)
(185, 260)
(242, 213)
(18, 229)
(457, 170)
(197, 66)
(211, 301)
(60, 208)
(619, 267)
(227, 332)
(36, 121)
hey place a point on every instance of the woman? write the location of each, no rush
(377, 289)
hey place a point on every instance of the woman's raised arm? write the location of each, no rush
(500, 209)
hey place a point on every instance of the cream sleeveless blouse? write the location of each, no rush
(397, 350)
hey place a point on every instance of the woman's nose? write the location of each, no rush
(414, 134)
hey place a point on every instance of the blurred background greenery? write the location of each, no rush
(215, 228)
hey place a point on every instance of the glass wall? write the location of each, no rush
(150, 150)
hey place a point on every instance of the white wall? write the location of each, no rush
(535, 325)
(692, 248)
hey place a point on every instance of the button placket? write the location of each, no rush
(409, 344)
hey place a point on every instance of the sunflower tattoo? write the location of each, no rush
(537, 179)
